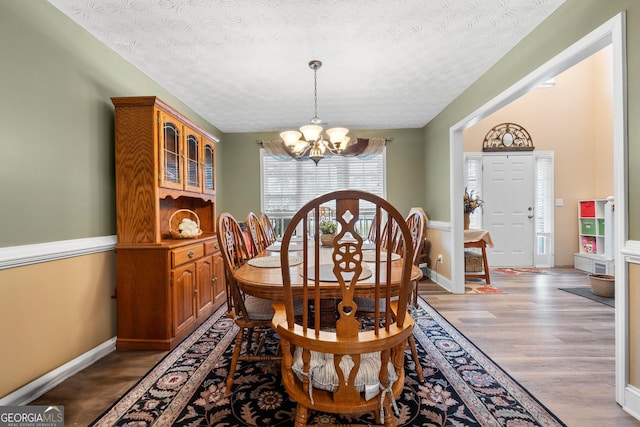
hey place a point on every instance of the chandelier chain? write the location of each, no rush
(315, 94)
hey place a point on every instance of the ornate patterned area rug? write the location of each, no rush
(462, 386)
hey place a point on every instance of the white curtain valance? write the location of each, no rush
(363, 148)
(276, 149)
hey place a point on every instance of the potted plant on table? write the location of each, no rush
(328, 230)
(471, 203)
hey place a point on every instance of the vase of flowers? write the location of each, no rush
(327, 232)
(471, 203)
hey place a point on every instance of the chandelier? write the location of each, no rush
(314, 145)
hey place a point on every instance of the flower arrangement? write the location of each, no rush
(328, 227)
(471, 202)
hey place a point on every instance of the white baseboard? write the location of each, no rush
(632, 401)
(444, 282)
(38, 387)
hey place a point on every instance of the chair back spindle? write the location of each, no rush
(257, 235)
(267, 226)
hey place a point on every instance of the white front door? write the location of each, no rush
(507, 212)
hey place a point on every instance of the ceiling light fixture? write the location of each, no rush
(314, 145)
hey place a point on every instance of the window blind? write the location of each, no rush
(544, 204)
(288, 185)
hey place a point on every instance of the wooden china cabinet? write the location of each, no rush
(166, 286)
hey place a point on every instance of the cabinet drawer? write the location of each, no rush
(186, 254)
(211, 247)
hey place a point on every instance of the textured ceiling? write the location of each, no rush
(242, 64)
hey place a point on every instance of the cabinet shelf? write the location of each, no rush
(166, 287)
(595, 236)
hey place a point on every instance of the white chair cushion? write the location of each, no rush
(258, 308)
(367, 305)
(261, 309)
(323, 374)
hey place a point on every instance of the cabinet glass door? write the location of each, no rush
(170, 154)
(209, 184)
(192, 165)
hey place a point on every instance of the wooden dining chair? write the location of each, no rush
(253, 315)
(366, 306)
(389, 239)
(257, 235)
(391, 242)
(416, 223)
(267, 226)
(375, 224)
(334, 363)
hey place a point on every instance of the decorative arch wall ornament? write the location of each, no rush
(507, 137)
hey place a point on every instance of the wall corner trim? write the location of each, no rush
(18, 256)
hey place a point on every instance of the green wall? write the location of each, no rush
(57, 152)
(572, 21)
(241, 175)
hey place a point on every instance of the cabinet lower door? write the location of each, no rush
(220, 291)
(206, 277)
(182, 301)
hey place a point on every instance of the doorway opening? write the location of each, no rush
(611, 33)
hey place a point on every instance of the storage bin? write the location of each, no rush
(601, 227)
(588, 226)
(589, 245)
(473, 262)
(588, 209)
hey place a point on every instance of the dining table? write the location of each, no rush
(262, 275)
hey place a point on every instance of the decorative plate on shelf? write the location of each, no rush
(273, 261)
(370, 256)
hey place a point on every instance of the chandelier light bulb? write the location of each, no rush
(337, 134)
(311, 132)
(290, 137)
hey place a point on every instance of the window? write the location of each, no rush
(287, 185)
(544, 218)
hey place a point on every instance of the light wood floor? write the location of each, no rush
(558, 345)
